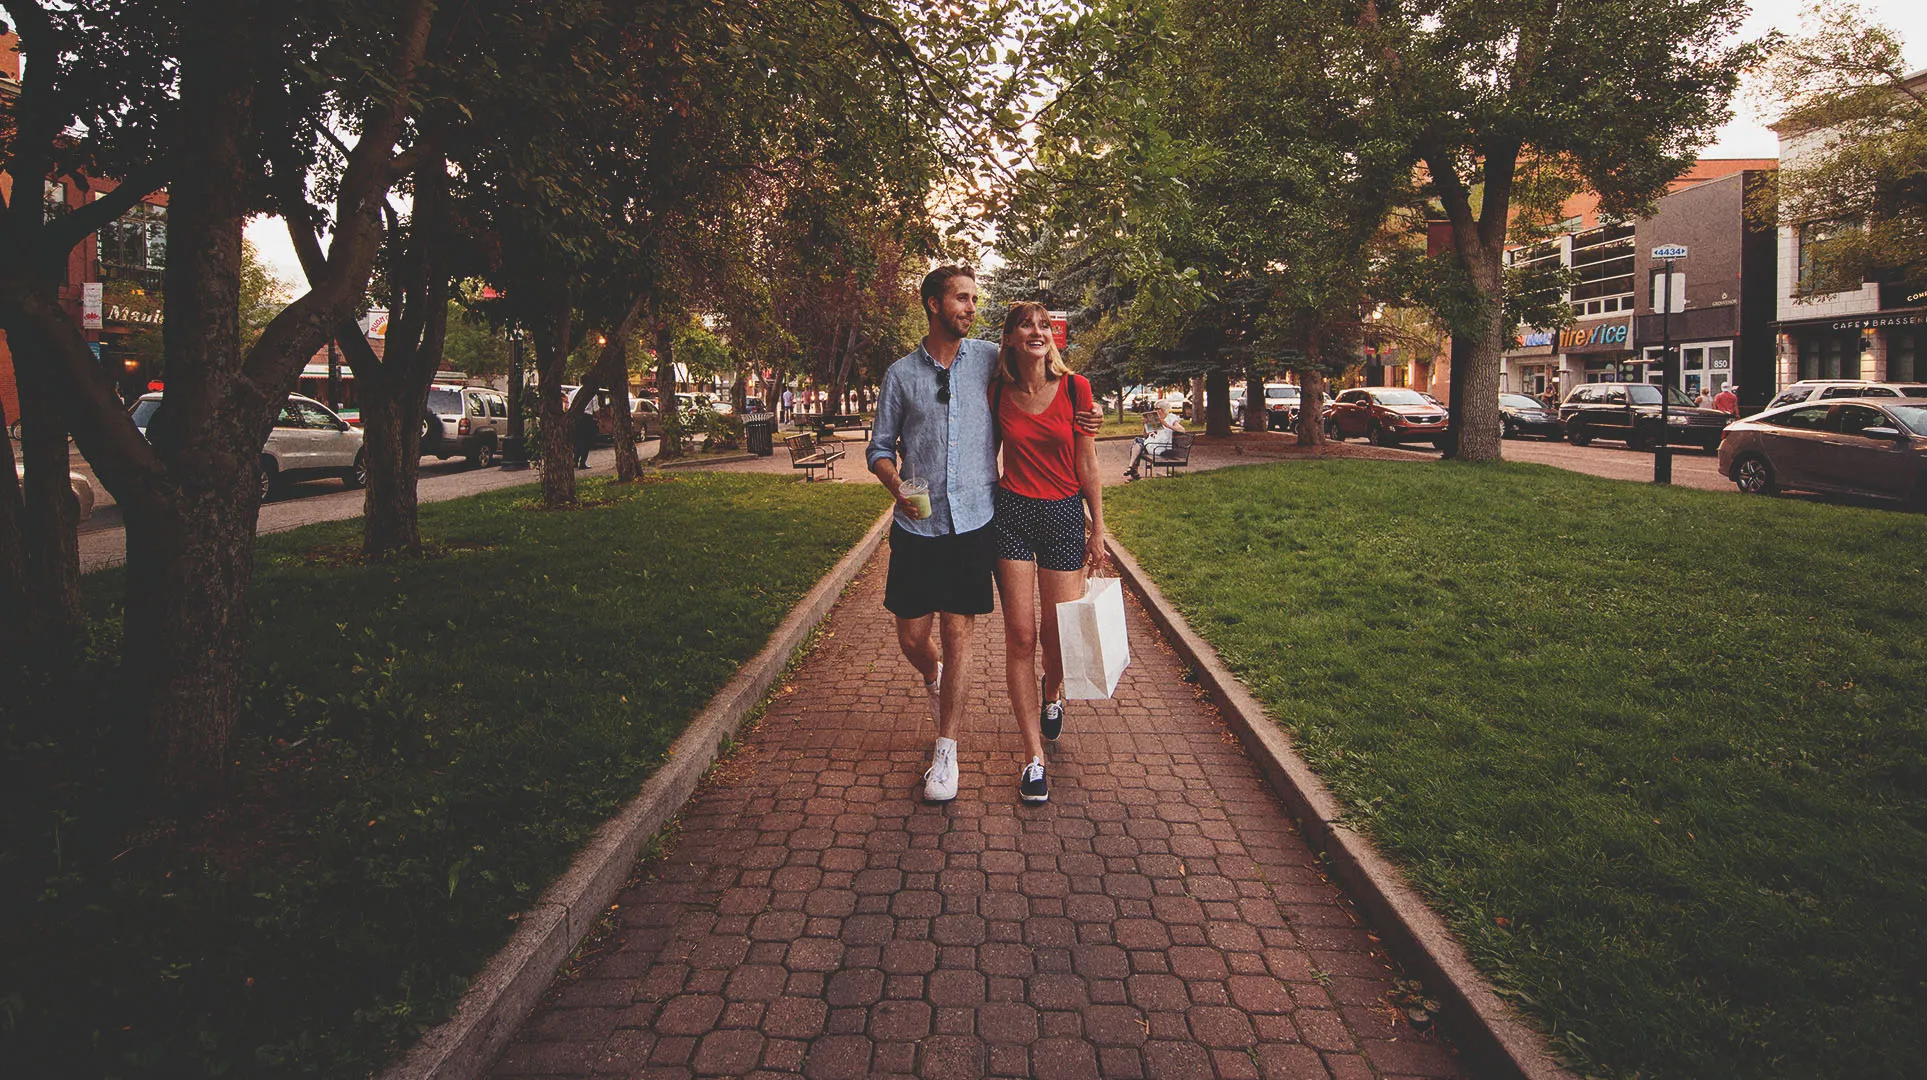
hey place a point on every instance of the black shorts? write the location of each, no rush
(1049, 532)
(938, 573)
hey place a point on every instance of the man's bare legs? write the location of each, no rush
(923, 651)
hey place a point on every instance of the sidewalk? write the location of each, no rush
(1159, 917)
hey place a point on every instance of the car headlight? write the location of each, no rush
(1680, 420)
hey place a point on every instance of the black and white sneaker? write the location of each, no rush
(1051, 719)
(1031, 786)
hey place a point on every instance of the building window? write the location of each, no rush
(1602, 266)
(1820, 262)
(1830, 356)
(133, 249)
(1903, 355)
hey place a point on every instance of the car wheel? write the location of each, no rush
(1378, 436)
(484, 454)
(1639, 439)
(1505, 428)
(1754, 476)
(1332, 431)
(1578, 436)
(356, 477)
(270, 479)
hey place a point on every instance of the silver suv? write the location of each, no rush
(1821, 389)
(308, 441)
(465, 421)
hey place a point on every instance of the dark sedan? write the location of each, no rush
(1522, 415)
(1631, 411)
(1856, 446)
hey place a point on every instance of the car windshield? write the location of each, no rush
(444, 402)
(1914, 416)
(1518, 401)
(1913, 391)
(1400, 397)
(144, 411)
(1646, 394)
(1281, 391)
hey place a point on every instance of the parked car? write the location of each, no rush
(1386, 415)
(691, 402)
(1281, 406)
(465, 421)
(644, 418)
(1859, 446)
(1827, 389)
(1520, 414)
(83, 488)
(1631, 412)
(308, 441)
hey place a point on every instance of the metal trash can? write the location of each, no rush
(759, 433)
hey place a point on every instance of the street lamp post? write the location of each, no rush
(1669, 366)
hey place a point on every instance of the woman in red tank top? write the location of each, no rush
(1044, 547)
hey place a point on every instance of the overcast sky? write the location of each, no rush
(1745, 136)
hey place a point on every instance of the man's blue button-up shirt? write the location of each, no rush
(953, 447)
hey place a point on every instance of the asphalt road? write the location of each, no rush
(1692, 467)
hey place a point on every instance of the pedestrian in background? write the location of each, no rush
(584, 433)
(788, 408)
(1728, 400)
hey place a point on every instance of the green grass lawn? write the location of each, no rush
(425, 746)
(1658, 755)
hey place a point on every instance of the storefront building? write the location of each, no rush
(1717, 310)
(1833, 330)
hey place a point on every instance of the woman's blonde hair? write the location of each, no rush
(1054, 366)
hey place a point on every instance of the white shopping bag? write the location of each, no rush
(1091, 633)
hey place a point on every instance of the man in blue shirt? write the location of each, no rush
(934, 424)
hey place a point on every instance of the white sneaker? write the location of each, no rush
(934, 691)
(940, 780)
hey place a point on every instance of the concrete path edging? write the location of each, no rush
(1484, 1027)
(514, 980)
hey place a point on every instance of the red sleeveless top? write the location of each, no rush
(1040, 452)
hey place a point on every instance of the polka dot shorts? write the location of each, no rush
(1049, 532)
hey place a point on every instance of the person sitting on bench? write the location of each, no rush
(1156, 438)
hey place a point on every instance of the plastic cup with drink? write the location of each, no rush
(917, 491)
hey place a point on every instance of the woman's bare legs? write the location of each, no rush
(1058, 586)
(1017, 595)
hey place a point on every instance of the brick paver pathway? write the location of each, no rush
(1159, 917)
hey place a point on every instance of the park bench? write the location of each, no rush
(1174, 457)
(808, 455)
(828, 425)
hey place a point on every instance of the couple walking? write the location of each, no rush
(943, 413)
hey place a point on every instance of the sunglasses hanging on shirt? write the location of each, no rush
(943, 386)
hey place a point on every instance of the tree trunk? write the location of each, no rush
(187, 623)
(51, 517)
(1475, 383)
(394, 386)
(739, 394)
(15, 627)
(1311, 407)
(672, 435)
(558, 442)
(622, 425)
(391, 424)
(1257, 418)
(1217, 403)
